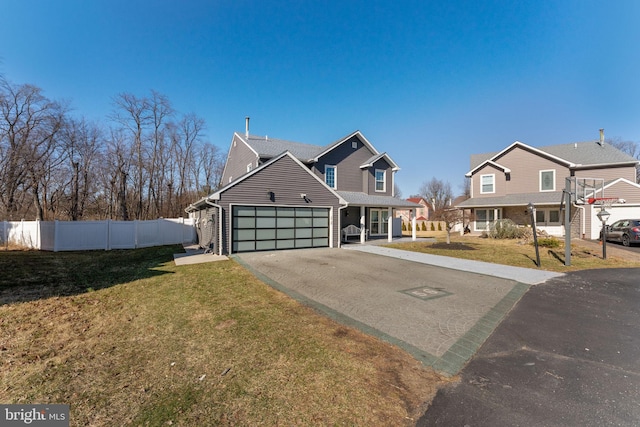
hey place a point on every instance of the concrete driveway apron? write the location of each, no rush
(439, 314)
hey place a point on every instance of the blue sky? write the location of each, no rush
(428, 82)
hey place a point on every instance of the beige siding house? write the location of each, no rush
(505, 182)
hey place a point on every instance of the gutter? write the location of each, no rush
(583, 219)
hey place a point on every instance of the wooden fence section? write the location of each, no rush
(97, 235)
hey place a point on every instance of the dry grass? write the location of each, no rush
(522, 254)
(126, 337)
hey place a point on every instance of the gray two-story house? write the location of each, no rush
(278, 194)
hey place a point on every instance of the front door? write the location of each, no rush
(378, 223)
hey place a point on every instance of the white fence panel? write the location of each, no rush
(148, 234)
(122, 234)
(21, 233)
(47, 235)
(96, 235)
(178, 230)
(80, 235)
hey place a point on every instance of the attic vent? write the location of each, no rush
(354, 144)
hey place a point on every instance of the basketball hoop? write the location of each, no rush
(606, 202)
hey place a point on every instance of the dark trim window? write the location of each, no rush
(330, 176)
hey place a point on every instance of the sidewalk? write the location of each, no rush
(527, 276)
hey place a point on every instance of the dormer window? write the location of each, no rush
(330, 177)
(381, 184)
(548, 180)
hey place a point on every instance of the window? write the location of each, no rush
(547, 216)
(484, 217)
(330, 176)
(354, 144)
(381, 184)
(487, 184)
(548, 180)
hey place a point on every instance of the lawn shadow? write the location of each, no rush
(556, 256)
(33, 275)
(533, 260)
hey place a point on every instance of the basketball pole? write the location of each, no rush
(567, 221)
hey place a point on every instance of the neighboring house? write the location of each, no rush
(504, 183)
(279, 194)
(423, 211)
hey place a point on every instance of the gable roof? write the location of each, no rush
(364, 199)
(266, 147)
(417, 200)
(488, 162)
(217, 193)
(369, 163)
(575, 155)
(337, 143)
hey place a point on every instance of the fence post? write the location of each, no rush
(108, 239)
(55, 235)
(135, 232)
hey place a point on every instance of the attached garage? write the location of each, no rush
(266, 228)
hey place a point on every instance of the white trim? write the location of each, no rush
(249, 167)
(357, 133)
(493, 184)
(526, 147)
(384, 180)
(485, 163)
(540, 180)
(335, 176)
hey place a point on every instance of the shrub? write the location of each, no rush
(424, 226)
(404, 227)
(549, 242)
(433, 227)
(506, 229)
(439, 226)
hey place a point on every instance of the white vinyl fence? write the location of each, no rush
(97, 235)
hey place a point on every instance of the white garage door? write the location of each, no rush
(266, 228)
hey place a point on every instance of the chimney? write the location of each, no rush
(601, 137)
(247, 127)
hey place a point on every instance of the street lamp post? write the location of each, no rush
(532, 210)
(604, 216)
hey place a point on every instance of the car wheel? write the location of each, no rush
(625, 240)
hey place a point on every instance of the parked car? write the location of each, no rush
(625, 231)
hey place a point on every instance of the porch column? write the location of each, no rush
(390, 226)
(363, 231)
(413, 225)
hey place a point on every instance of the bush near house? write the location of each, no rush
(433, 227)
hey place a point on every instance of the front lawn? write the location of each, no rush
(517, 253)
(126, 337)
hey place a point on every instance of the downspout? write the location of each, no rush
(219, 242)
(583, 220)
(340, 225)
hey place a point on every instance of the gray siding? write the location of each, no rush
(500, 182)
(371, 178)
(525, 171)
(240, 155)
(287, 180)
(622, 190)
(348, 161)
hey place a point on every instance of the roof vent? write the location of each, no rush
(246, 132)
(601, 142)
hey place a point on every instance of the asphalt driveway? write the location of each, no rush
(567, 355)
(441, 315)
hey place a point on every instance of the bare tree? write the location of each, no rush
(397, 193)
(438, 193)
(629, 147)
(28, 129)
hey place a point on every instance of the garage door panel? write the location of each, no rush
(263, 228)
